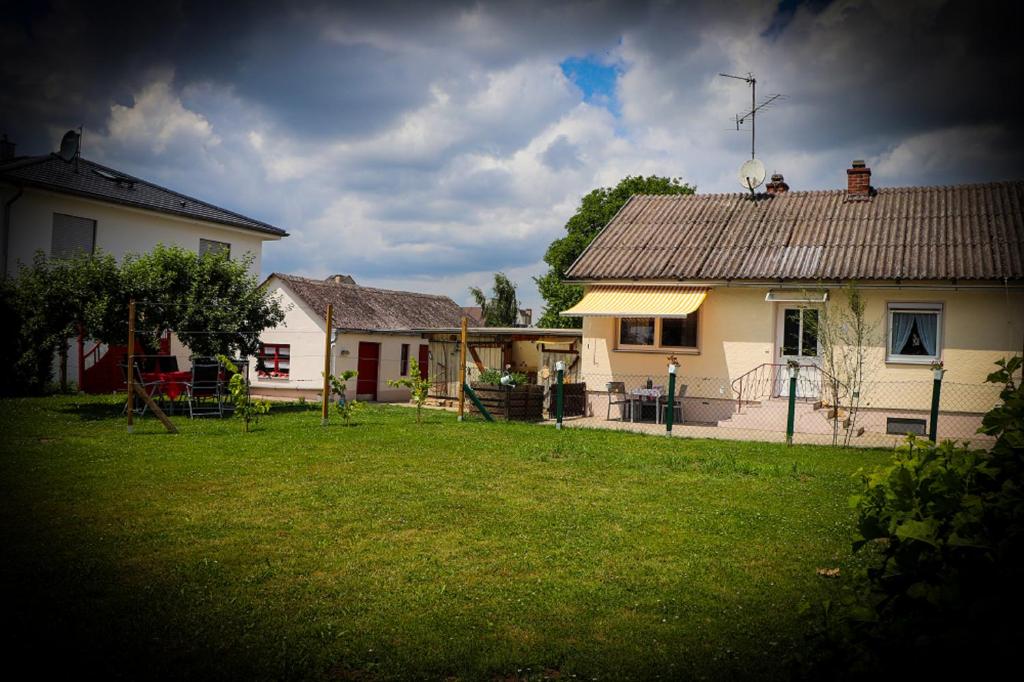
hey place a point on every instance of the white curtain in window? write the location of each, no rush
(927, 330)
(902, 324)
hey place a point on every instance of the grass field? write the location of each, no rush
(396, 550)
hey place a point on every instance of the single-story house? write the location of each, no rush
(734, 286)
(62, 203)
(374, 331)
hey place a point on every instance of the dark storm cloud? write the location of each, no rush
(411, 137)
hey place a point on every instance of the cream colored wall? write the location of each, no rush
(738, 330)
(735, 334)
(526, 356)
(119, 229)
(389, 365)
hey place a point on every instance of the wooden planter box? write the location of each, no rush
(574, 400)
(524, 403)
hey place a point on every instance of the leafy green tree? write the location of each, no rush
(59, 297)
(418, 386)
(596, 209)
(503, 309)
(211, 302)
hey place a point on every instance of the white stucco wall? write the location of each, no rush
(119, 229)
(303, 331)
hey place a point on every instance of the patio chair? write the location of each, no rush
(678, 416)
(205, 393)
(166, 363)
(150, 387)
(617, 396)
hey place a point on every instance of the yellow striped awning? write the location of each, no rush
(638, 301)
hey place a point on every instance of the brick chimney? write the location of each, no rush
(6, 149)
(858, 181)
(777, 185)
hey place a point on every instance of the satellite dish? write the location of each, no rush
(752, 174)
(69, 145)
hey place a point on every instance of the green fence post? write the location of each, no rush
(476, 401)
(933, 423)
(560, 372)
(670, 405)
(791, 416)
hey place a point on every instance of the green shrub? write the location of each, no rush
(943, 527)
(493, 376)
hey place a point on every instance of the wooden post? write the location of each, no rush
(131, 365)
(327, 366)
(462, 366)
(155, 409)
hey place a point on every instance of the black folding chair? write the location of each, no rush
(150, 387)
(206, 390)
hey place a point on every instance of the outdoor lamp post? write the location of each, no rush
(670, 403)
(794, 371)
(560, 376)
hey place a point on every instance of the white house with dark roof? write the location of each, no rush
(59, 204)
(376, 332)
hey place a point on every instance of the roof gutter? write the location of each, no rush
(5, 236)
(927, 286)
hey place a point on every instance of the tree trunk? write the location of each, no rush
(64, 366)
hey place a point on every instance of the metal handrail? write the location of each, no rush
(739, 383)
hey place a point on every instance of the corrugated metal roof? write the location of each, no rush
(91, 180)
(964, 232)
(371, 309)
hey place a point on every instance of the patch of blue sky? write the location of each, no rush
(596, 79)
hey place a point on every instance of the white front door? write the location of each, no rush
(798, 340)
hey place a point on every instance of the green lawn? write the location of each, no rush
(397, 550)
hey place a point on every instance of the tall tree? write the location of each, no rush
(213, 304)
(59, 297)
(596, 209)
(503, 309)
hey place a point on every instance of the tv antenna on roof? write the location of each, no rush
(751, 115)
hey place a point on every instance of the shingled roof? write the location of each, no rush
(962, 232)
(366, 308)
(88, 179)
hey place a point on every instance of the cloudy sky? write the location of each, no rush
(427, 145)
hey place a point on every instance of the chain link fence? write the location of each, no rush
(879, 414)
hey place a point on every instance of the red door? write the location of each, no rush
(424, 361)
(369, 359)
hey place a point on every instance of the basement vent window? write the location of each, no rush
(901, 426)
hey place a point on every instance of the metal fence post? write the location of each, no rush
(933, 423)
(670, 405)
(791, 416)
(560, 372)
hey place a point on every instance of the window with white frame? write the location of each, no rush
(640, 333)
(273, 361)
(915, 332)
